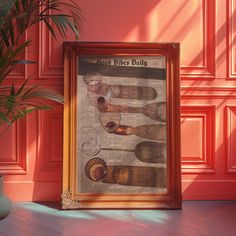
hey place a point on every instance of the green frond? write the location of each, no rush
(16, 104)
(20, 114)
(17, 16)
(5, 7)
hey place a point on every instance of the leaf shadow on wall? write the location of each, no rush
(218, 184)
(127, 24)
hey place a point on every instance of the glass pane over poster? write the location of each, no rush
(121, 124)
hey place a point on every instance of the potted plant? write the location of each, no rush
(16, 16)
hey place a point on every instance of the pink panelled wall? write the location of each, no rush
(31, 152)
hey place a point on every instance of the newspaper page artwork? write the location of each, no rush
(121, 124)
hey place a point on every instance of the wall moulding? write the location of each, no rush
(205, 71)
(14, 161)
(50, 55)
(231, 39)
(20, 71)
(50, 51)
(203, 92)
(209, 189)
(49, 147)
(32, 191)
(230, 138)
(201, 119)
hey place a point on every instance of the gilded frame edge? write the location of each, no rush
(174, 198)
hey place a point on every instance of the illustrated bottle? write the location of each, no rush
(124, 91)
(97, 170)
(146, 151)
(155, 111)
(151, 152)
(154, 131)
(136, 176)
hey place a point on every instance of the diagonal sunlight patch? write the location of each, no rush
(133, 35)
(38, 208)
(156, 216)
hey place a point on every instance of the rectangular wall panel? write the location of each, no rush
(49, 156)
(13, 149)
(231, 39)
(197, 139)
(50, 55)
(191, 23)
(201, 64)
(19, 71)
(31, 152)
(230, 138)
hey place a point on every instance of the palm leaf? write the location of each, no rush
(5, 7)
(22, 62)
(17, 16)
(4, 118)
(18, 103)
(20, 114)
(26, 13)
(7, 60)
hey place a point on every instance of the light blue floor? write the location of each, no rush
(216, 218)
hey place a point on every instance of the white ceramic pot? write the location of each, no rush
(5, 203)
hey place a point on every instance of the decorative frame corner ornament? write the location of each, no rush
(68, 202)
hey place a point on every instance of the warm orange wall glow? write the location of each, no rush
(206, 30)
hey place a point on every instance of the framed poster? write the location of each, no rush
(121, 126)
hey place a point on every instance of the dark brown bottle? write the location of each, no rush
(136, 176)
(96, 169)
(154, 131)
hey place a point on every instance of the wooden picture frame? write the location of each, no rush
(121, 126)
